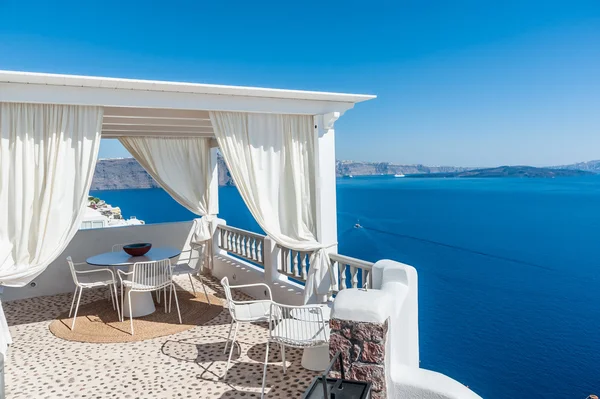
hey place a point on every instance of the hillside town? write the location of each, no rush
(99, 214)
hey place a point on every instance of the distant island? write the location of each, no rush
(126, 173)
(509, 171)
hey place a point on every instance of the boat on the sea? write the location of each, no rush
(399, 175)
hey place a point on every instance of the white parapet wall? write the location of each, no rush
(57, 278)
(385, 319)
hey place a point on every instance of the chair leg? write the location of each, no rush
(73, 301)
(123, 305)
(157, 296)
(192, 283)
(170, 296)
(205, 293)
(112, 299)
(130, 312)
(114, 287)
(177, 304)
(237, 326)
(165, 297)
(228, 336)
(76, 307)
(283, 358)
(264, 381)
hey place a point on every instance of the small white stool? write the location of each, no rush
(317, 358)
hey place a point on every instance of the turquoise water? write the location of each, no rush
(508, 270)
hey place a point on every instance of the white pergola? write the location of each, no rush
(143, 109)
(157, 108)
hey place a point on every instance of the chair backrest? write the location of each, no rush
(117, 247)
(72, 267)
(151, 275)
(227, 289)
(298, 326)
(202, 250)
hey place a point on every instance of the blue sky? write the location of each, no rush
(472, 83)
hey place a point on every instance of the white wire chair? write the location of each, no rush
(244, 312)
(294, 327)
(92, 279)
(147, 277)
(117, 247)
(183, 268)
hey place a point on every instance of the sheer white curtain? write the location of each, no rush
(271, 158)
(182, 166)
(47, 160)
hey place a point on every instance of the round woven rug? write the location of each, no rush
(97, 322)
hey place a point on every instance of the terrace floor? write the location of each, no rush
(184, 365)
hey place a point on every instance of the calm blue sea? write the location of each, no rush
(509, 288)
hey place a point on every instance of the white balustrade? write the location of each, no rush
(351, 272)
(294, 264)
(242, 243)
(347, 271)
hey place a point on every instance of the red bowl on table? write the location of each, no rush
(139, 249)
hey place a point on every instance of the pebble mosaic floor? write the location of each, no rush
(184, 365)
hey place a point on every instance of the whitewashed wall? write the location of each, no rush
(57, 277)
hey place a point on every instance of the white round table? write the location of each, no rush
(141, 302)
(315, 358)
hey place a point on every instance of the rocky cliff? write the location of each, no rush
(590, 166)
(126, 173)
(345, 168)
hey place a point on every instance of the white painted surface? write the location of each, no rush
(326, 180)
(57, 277)
(131, 93)
(179, 87)
(325, 202)
(416, 383)
(394, 297)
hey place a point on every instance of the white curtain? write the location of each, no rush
(271, 158)
(182, 166)
(47, 160)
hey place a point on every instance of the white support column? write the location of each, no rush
(214, 198)
(214, 181)
(272, 258)
(326, 179)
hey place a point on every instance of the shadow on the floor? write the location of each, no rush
(245, 379)
(190, 350)
(213, 284)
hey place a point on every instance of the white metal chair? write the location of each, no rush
(244, 312)
(185, 268)
(148, 277)
(117, 247)
(296, 327)
(92, 279)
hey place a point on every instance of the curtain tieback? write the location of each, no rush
(203, 229)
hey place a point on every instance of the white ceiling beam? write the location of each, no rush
(111, 120)
(180, 129)
(107, 134)
(132, 112)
